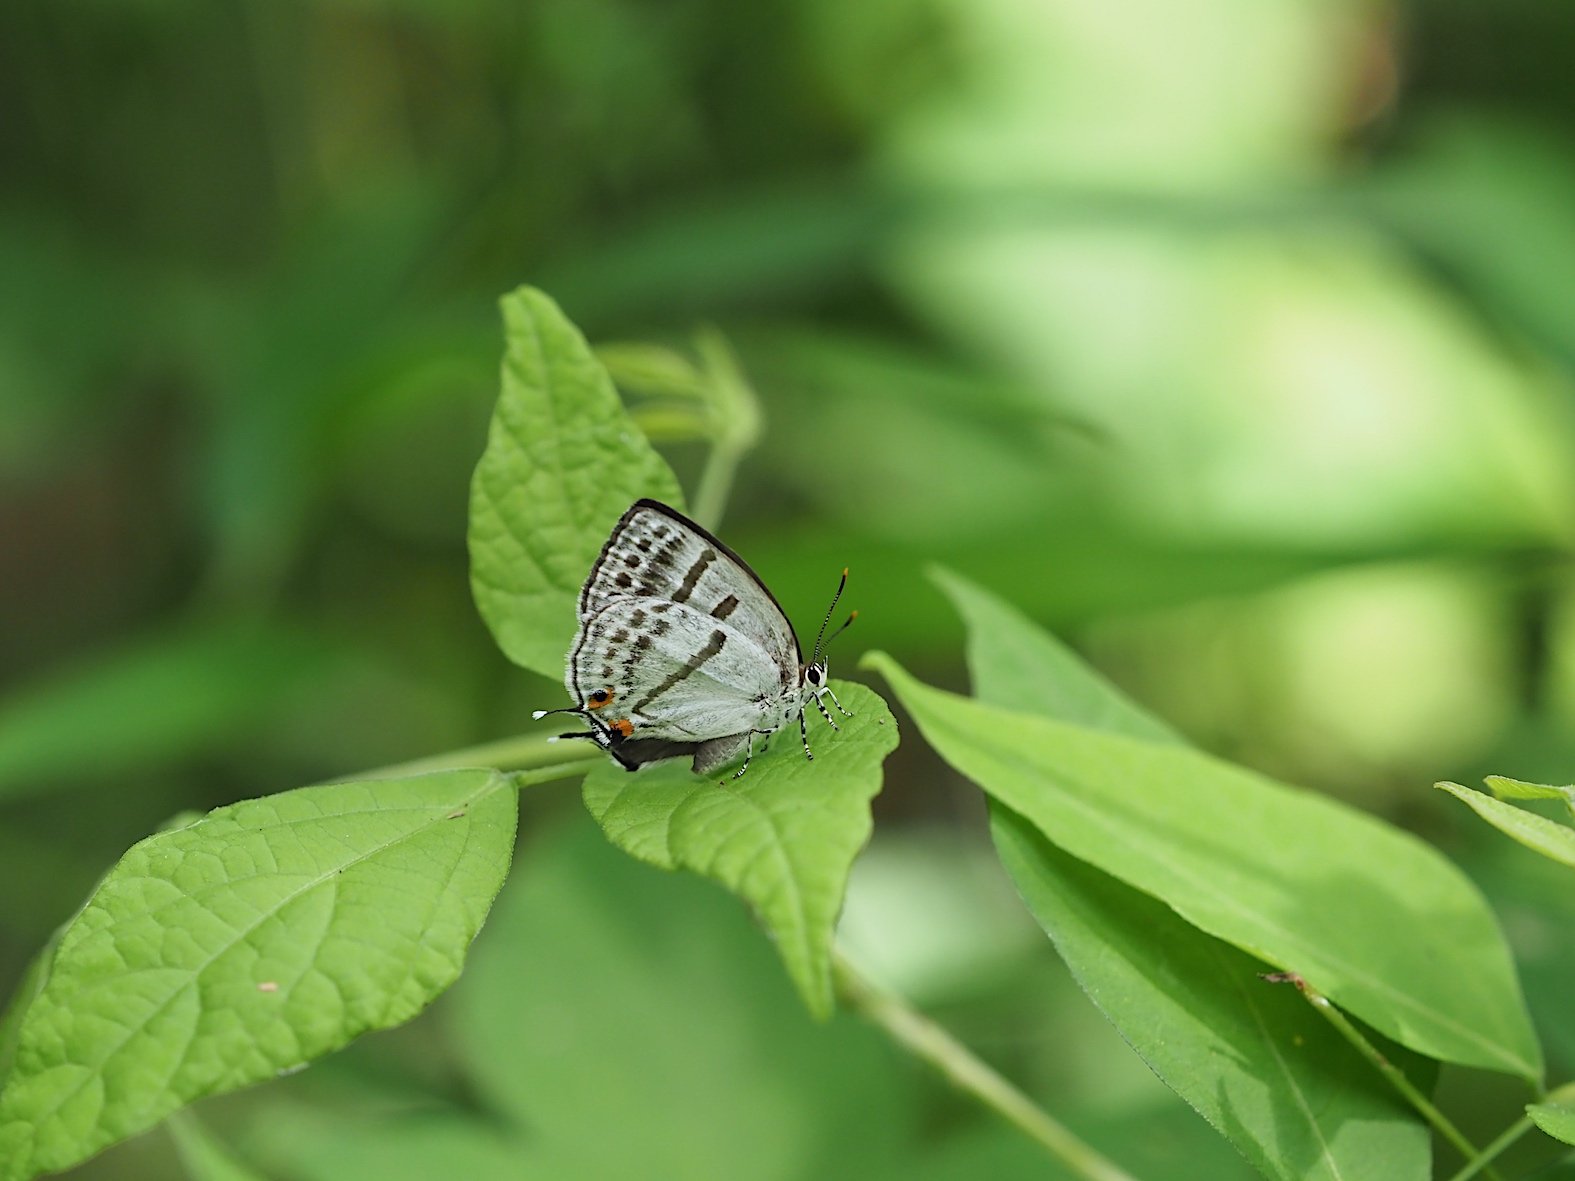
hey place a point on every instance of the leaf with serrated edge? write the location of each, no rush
(1373, 917)
(563, 462)
(783, 837)
(244, 946)
(1548, 837)
(1254, 1059)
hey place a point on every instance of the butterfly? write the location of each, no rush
(682, 650)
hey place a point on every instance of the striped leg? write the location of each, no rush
(825, 713)
(838, 704)
(803, 732)
(749, 751)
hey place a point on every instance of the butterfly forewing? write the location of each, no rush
(652, 668)
(656, 553)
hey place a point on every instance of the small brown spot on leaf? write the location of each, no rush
(267, 986)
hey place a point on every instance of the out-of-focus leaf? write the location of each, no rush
(204, 1156)
(563, 462)
(247, 944)
(783, 837)
(1545, 836)
(1304, 386)
(1492, 201)
(736, 248)
(629, 1023)
(1265, 1069)
(1019, 665)
(1372, 917)
(959, 449)
(153, 702)
(612, 996)
(329, 1146)
(1257, 1061)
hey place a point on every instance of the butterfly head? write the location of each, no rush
(815, 677)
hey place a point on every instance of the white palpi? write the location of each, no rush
(681, 649)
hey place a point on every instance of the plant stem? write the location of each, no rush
(1485, 1158)
(1396, 1076)
(735, 411)
(523, 752)
(923, 1038)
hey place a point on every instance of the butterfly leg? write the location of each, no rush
(803, 732)
(825, 713)
(838, 704)
(749, 751)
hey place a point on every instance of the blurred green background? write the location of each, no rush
(1232, 338)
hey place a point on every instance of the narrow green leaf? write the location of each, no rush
(1548, 837)
(563, 461)
(246, 945)
(203, 1155)
(783, 837)
(1017, 664)
(163, 698)
(1373, 917)
(1256, 1061)
(1518, 789)
(1555, 1115)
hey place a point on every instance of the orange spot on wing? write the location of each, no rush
(624, 726)
(600, 698)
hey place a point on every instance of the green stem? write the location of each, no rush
(923, 1038)
(523, 752)
(736, 412)
(1489, 1154)
(1388, 1069)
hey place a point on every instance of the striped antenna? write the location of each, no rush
(820, 637)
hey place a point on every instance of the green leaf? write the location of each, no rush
(205, 1158)
(246, 945)
(1547, 837)
(1254, 1059)
(563, 461)
(1014, 662)
(1518, 789)
(783, 837)
(1373, 917)
(627, 1023)
(1555, 1115)
(1260, 1065)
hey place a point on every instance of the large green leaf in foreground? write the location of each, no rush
(1254, 1059)
(563, 461)
(783, 837)
(247, 944)
(1370, 915)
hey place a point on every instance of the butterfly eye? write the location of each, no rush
(812, 675)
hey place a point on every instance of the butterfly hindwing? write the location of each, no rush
(657, 553)
(652, 668)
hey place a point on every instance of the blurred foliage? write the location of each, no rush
(1234, 339)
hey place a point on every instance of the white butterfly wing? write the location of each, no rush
(648, 668)
(655, 552)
